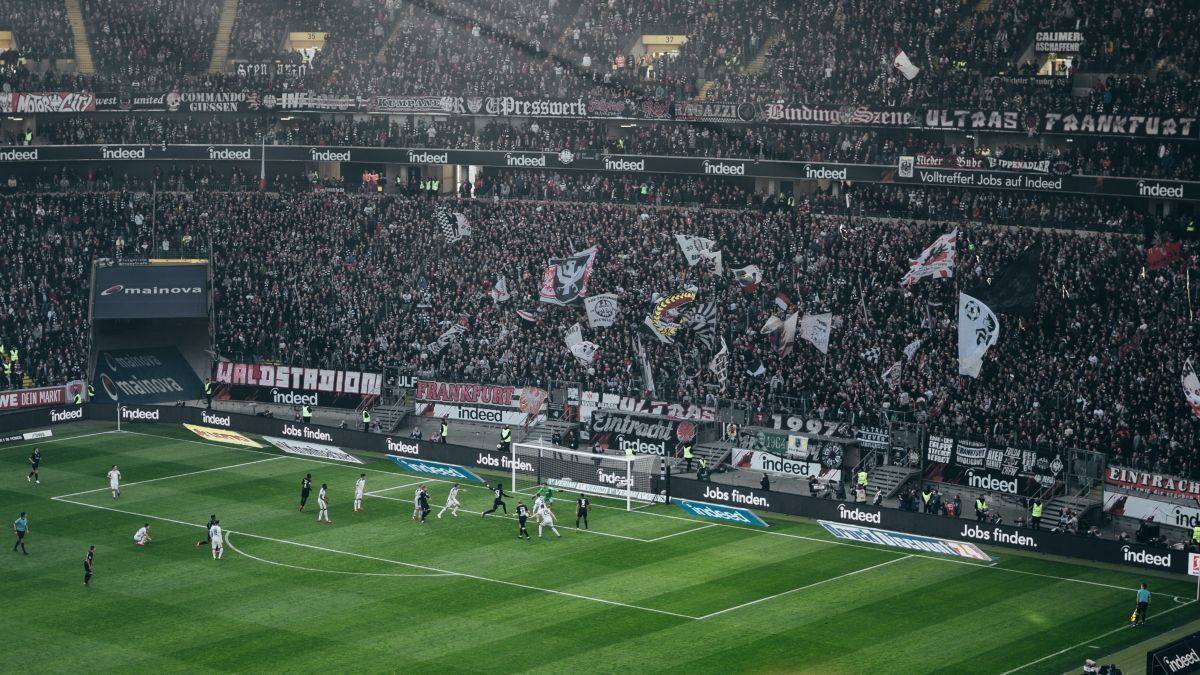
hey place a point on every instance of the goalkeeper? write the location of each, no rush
(546, 493)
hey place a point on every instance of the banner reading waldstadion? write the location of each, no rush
(1006, 469)
(626, 165)
(296, 385)
(156, 291)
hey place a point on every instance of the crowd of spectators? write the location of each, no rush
(827, 53)
(151, 43)
(40, 29)
(376, 283)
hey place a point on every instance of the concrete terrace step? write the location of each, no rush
(83, 50)
(220, 52)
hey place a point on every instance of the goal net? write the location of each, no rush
(628, 478)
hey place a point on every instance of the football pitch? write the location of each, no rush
(648, 590)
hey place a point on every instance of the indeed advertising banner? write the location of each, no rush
(158, 291)
(145, 376)
(1159, 510)
(783, 466)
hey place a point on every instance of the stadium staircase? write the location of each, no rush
(1080, 505)
(753, 68)
(83, 50)
(389, 417)
(220, 52)
(891, 479)
(715, 452)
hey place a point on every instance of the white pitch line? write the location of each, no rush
(565, 527)
(364, 556)
(178, 475)
(676, 534)
(803, 588)
(1090, 640)
(229, 543)
(375, 493)
(789, 535)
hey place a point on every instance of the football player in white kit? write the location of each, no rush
(451, 502)
(545, 517)
(217, 537)
(323, 506)
(142, 536)
(114, 481)
(359, 486)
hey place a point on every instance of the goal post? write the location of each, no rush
(628, 478)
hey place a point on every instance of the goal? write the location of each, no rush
(631, 478)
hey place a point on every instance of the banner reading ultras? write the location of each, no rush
(156, 291)
(300, 378)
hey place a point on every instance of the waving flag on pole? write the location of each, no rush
(816, 328)
(1191, 387)
(905, 65)
(565, 279)
(978, 329)
(499, 291)
(935, 261)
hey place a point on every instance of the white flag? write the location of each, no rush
(719, 364)
(815, 328)
(1191, 387)
(601, 309)
(788, 336)
(714, 261)
(499, 291)
(772, 324)
(905, 66)
(910, 350)
(464, 225)
(936, 260)
(450, 335)
(978, 329)
(695, 248)
(585, 352)
(573, 336)
(748, 276)
(891, 376)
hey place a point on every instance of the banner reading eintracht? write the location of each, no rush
(978, 329)
(815, 328)
(601, 309)
(565, 279)
(935, 261)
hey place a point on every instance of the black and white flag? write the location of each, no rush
(565, 279)
(601, 310)
(978, 329)
(454, 226)
(446, 338)
(719, 365)
(816, 328)
(703, 322)
(647, 370)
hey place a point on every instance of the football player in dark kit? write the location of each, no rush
(498, 503)
(35, 460)
(305, 488)
(522, 516)
(582, 506)
(423, 503)
(87, 565)
(212, 520)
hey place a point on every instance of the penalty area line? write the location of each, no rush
(178, 475)
(805, 587)
(364, 556)
(229, 543)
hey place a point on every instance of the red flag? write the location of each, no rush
(1158, 257)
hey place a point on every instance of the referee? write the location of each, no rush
(1143, 604)
(20, 528)
(582, 506)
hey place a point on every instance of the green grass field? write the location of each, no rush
(651, 590)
